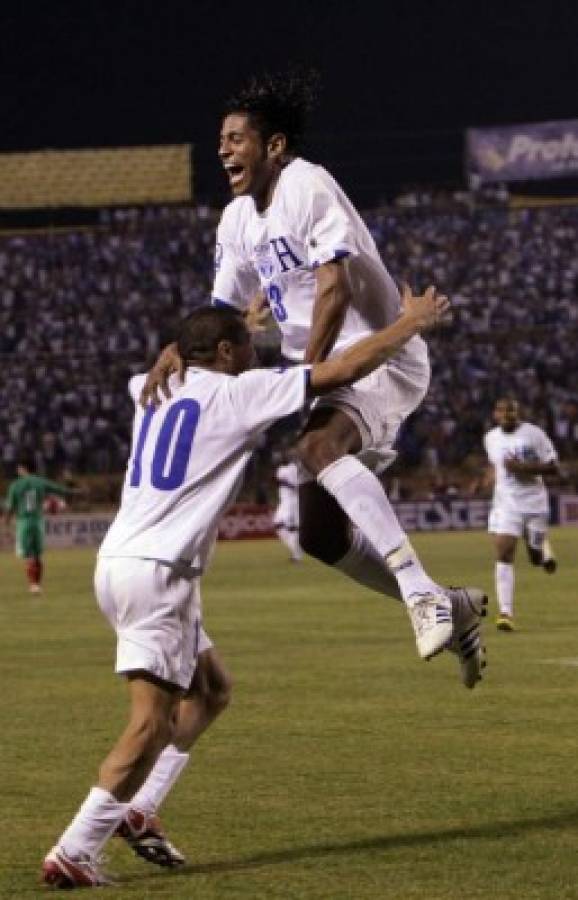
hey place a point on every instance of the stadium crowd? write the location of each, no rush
(82, 310)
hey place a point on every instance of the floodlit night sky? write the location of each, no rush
(400, 80)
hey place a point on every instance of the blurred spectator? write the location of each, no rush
(83, 310)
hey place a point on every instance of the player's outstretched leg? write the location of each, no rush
(74, 861)
(326, 451)
(363, 564)
(347, 548)
(208, 696)
(400, 575)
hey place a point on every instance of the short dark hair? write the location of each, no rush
(278, 103)
(200, 333)
(27, 462)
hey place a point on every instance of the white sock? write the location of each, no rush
(290, 538)
(161, 778)
(96, 820)
(505, 588)
(413, 580)
(362, 497)
(547, 552)
(363, 564)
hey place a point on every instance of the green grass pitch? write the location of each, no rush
(345, 768)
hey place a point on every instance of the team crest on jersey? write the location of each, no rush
(264, 261)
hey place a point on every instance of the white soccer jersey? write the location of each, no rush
(528, 443)
(188, 457)
(309, 222)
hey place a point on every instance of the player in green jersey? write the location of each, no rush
(25, 500)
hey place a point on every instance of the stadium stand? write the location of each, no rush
(82, 309)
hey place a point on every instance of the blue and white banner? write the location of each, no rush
(523, 152)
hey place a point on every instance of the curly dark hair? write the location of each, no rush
(278, 103)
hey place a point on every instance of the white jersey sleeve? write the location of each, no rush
(236, 281)
(544, 447)
(330, 229)
(135, 387)
(262, 396)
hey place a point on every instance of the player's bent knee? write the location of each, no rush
(151, 732)
(316, 450)
(212, 684)
(218, 700)
(219, 691)
(215, 689)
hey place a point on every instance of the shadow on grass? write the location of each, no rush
(490, 831)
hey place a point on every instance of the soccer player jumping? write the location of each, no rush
(291, 235)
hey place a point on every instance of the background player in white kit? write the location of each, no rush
(519, 454)
(187, 461)
(286, 515)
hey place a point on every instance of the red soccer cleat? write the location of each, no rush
(60, 871)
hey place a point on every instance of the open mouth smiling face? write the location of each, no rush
(243, 155)
(235, 173)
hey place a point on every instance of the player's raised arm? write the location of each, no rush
(332, 297)
(418, 313)
(157, 381)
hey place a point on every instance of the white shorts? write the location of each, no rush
(504, 520)
(156, 616)
(378, 404)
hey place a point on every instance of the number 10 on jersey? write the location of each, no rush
(173, 445)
